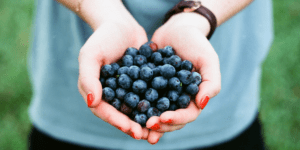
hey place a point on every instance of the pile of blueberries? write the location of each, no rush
(149, 81)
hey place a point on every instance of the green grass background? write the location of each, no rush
(280, 95)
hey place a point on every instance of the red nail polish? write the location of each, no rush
(203, 102)
(169, 121)
(90, 99)
(153, 46)
(120, 128)
(132, 134)
(155, 127)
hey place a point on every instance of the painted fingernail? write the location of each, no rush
(153, 46)
(155, 127)
(203, 102)
(132, 134)
(169, 121)
(90, 99)
(120, 128)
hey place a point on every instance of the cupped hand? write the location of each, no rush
(105, 46)
(186, 33)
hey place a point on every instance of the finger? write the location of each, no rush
(181, 116)
(145, 133)
(154, 137)
(153, 123)
(169, 127)
(136, 131)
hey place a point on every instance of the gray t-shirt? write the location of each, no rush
(58, 109)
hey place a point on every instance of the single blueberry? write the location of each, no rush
(127, 60)
(139, 60)
(146, 74)
(123, 70)
(184, 76)
(167, 71)
(125, 109)
(186, 65)
(163, 104)
(151, 95)
(173, 106)
(115, 67)
(108, 94)
(107, 71)
(146, 50)
(144, 65)
(192, 89)
(131, 51)
(124, 81)
(168, 51)
(139, 86)
(174, 83)
(116, 103)
(157, 58)
(159, 83)
(131, 99)
(134, 72)
(120, 93)
(156, 71)
(111, 82)
(173, 95)
(183, 101)
(152, 111)
(196, 78)
(175, 61)
(151, 65)
(143, 106)
(166, 60)
(141, 119)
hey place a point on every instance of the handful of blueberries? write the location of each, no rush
(148, 82)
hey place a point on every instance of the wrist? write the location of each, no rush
(191, 19)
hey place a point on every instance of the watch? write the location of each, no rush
(197, 7)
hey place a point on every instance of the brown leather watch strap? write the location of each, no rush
(201, 10)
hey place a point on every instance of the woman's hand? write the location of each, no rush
(105, 46)
(186, 33)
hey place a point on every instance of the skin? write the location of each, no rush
(115, 30)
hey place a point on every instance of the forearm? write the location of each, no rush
(96, 12)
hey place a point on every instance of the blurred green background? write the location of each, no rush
(280, 95)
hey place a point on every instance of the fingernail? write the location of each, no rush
(90, 99)
(169, 121)
(120, 128)
(153, 46)
(155, 142)
(203, 102)
(155, 127)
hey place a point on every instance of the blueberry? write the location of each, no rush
(152, 111)
(131, 51)
(120, 93)
(139, 86)
(124, 81)
(123, 70)
(166, 60)
(144, 65)
(186, 65)
(151, 65)
(146, 50)
(127, 60)
(173, 107)
(111, 82)
(146, 74)
(107, 71)
(116, 103)
(159, 83)
(192, 89)
(131, 99)
(141, 119)
(167, 71)
(108, 94)
(163, 104)
(102, 80)
(157, 58)
(196, 78)
(143, 106)
(115, 67)
(174, 83)
(151, 95)
(183, 101)
(134, 72)
(125, 109)
(168, 51)
(173, 96)
(156, 71)
(175, 61)
(139, 60)
(184, 76)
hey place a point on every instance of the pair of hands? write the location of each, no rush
(186, 33)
